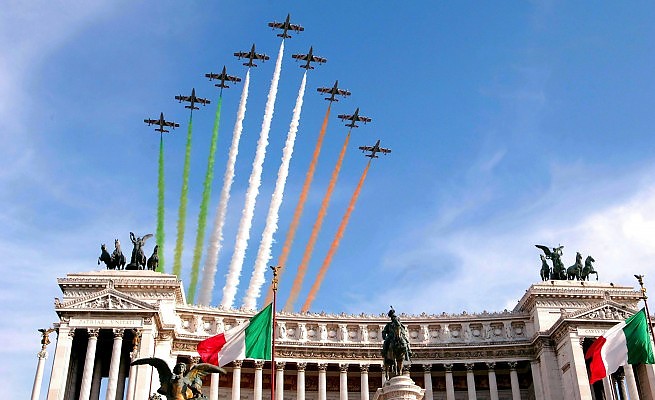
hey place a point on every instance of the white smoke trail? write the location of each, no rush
(216, 239)
(243, 233)
(264, 252)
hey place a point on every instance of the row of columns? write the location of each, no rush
(343, 381)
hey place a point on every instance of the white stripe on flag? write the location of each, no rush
(235, 345)
(614, 352)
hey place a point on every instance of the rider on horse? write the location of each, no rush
(396, 342)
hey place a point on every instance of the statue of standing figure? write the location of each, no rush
(559, 271)
(138, 260)
(395, 348)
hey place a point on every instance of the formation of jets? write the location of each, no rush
(310, 58)
(354, 118)
(223, 76)
(192, 100)
(162, 123)
(374, 150)
(333, 91)
(251, 56)
(286, 26)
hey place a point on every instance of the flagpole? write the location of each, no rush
(274, 287)
(640, 279)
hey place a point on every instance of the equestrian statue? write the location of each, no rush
(395, 349)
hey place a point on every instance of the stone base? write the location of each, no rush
(399, 387)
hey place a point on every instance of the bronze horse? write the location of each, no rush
(396, 352)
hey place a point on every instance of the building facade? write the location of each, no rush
(536, 351)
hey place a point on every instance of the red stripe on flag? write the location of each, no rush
(209, 348)
(596, 367)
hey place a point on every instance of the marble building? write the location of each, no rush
(535, 351)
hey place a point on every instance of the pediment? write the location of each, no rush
(108, 299)
(607, 310)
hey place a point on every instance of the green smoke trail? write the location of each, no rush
(160, 206)
(181, 218)
(202, 215)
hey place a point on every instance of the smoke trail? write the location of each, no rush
(291, 233)
(202, 215)
(335, 242)
(181, 217)
(302, 269)
(216, 238)
(160, 206)
(243, 233)
(264, 252)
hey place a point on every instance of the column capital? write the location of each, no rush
(364, 367)
(448, 367)
(118, 332)
(322, 367)
(491, 365)
(427, 367)
(301, 366)
(71, 333)
(93, 332)
(238, 363)
(259, 364)
(512, 365)
(469, 367)
(279, 365)
(343, 367)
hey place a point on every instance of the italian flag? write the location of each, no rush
(625, 343)
(252, 339)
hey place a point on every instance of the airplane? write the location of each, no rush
(223, 76)
(192, 99)
(333, 92)
(162, 123)
(354, 118)
(286, 25)
(374, 149)
(251, 55)
(310, 58)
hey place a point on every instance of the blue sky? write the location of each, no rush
(511, 124)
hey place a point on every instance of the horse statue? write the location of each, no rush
(153, 261)
(138, 260)
(575, 270)
(117, 256)
(588, 269)
(545, 268)
(105, 257)
(395, 349)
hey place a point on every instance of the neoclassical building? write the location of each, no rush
(536, 351)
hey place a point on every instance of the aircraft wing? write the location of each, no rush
(300, 57)
(366, 148)
(173, 124)
(385, 151)
(319, 60)
(151, 121)
(324, 90)
(261, 57)
(242, 54)
(202, 101)
(279, 25)
(296, 28)
(363, 119)
(343, 92)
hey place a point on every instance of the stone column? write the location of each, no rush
(450, 387)
(620, 382)
(279, 380)
(470, 381)
(364, 392)
(236, 380)
(322, 383)
(648, 382)
(300, 384)
(427, 377)
(608, 389)
(536, 381)
(259, 368)
(114, 364)
(578, 368)
(95, 381)
(89, 361)
(38, 378)
(60, 365)
(147, 377)
(343, 381)
(493, 386)
(630, 382)
(213, 386)
(514, 379)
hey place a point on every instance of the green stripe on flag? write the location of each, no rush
(259, 335)
(637, 338)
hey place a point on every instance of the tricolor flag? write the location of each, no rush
(628, 342)
(252, 339)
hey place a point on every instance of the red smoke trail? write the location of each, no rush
(291, 233)
(302, 269)
(335, 242)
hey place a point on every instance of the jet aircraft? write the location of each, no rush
(286, 26)
(374, 149)
(251, 55)
(310, 58)
(333, 91)
(162, 123)
(223, 76)
(192, 99)
(354, 118)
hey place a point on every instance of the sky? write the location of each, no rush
(511, 124)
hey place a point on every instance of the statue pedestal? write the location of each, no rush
(399, 387)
